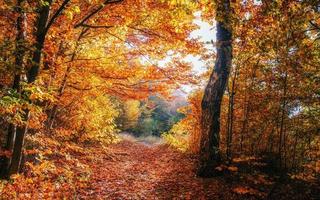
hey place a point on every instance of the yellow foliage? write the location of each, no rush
(177, 140)
(96, 117)
(131, 113)
(186, 133)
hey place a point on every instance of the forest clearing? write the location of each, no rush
(160, 99)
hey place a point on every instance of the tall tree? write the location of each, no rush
(43, 24)
(211, 102)
(19, 65)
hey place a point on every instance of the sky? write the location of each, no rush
(206, 33)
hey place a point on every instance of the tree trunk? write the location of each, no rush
(19, 66)
(54, 110)
(211, 102)
(293, 166)
(245, 121)
(231, 115)
(18, 148)
(42, 26)
(41, 31)
(31, 75)
(283, 106)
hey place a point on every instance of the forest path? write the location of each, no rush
(134, 170)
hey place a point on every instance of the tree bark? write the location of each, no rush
(43, 25)
(293, 166)
(211, 103)
(40, 35)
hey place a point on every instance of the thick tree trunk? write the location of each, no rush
(211, 102)
(6, 161)
(43, 25)
(41, 31)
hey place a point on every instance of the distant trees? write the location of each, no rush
(153, 116)
(131, 112)
(186, 133)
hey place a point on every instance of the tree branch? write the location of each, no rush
(79, 88)
(142, 54)
(314, 25)
(93, 26)
(83, 59)
(146, 31)
(95, 11)
(56, 14)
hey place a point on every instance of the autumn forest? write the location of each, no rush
(160, 99)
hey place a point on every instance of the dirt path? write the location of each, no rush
(137, 171)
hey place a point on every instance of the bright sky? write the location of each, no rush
(206, 33)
